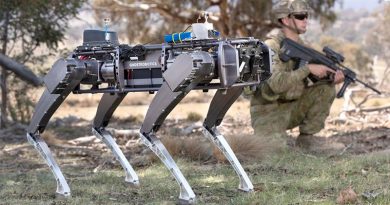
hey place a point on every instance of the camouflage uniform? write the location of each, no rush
(286, 101)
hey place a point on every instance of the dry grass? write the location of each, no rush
(247, 148)
(174, 145)
(194, 117)
(193, 148)
(197, 148)
(131, 119)
(51, 138)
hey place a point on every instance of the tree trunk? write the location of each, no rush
(4, 75)
(20, 70)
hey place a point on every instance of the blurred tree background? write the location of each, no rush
(378, 40)
(29, 31)
(148, 20)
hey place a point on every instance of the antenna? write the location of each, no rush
(106, 25)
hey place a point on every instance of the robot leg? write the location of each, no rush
(106, 108)
(162, 104)
(64, 76)
(219, 106)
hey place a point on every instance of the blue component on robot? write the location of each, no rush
(177, 37)
(182, 36)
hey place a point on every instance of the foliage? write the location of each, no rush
(147, 20)
(194, 117)
(25, 26)
(378, 41)
(32, 23)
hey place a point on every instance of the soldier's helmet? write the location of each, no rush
(284, 8)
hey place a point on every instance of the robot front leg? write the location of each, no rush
(162, 104)
(40, 145)
(219, 106)
(106, 108)
(64, 76)
(46, 106)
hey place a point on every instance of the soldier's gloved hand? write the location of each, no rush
(320, 71)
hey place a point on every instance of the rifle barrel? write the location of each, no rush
(368, 86)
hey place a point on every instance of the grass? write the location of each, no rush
(287, 178)
(194, 117)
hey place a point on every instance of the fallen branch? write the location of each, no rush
(20, 70)
(373, 109)
(364, 100)
(82, 140)
(188, 130)
(124, 133)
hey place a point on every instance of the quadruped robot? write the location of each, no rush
(197, 60)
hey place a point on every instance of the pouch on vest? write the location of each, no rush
(267, 93)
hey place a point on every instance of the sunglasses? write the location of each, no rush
(300, 16)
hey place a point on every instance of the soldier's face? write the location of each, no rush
(298, 20)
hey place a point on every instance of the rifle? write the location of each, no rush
(332, 59)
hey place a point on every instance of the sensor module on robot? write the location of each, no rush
(200, 31)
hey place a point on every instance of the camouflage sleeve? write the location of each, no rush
(283, 78)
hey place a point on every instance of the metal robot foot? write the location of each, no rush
(106, 137)
(187, 196)
(40, 145)
(213, 135)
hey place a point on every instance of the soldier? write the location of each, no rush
(287, 100)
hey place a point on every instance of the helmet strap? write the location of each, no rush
(292, 28)
(295, 26)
